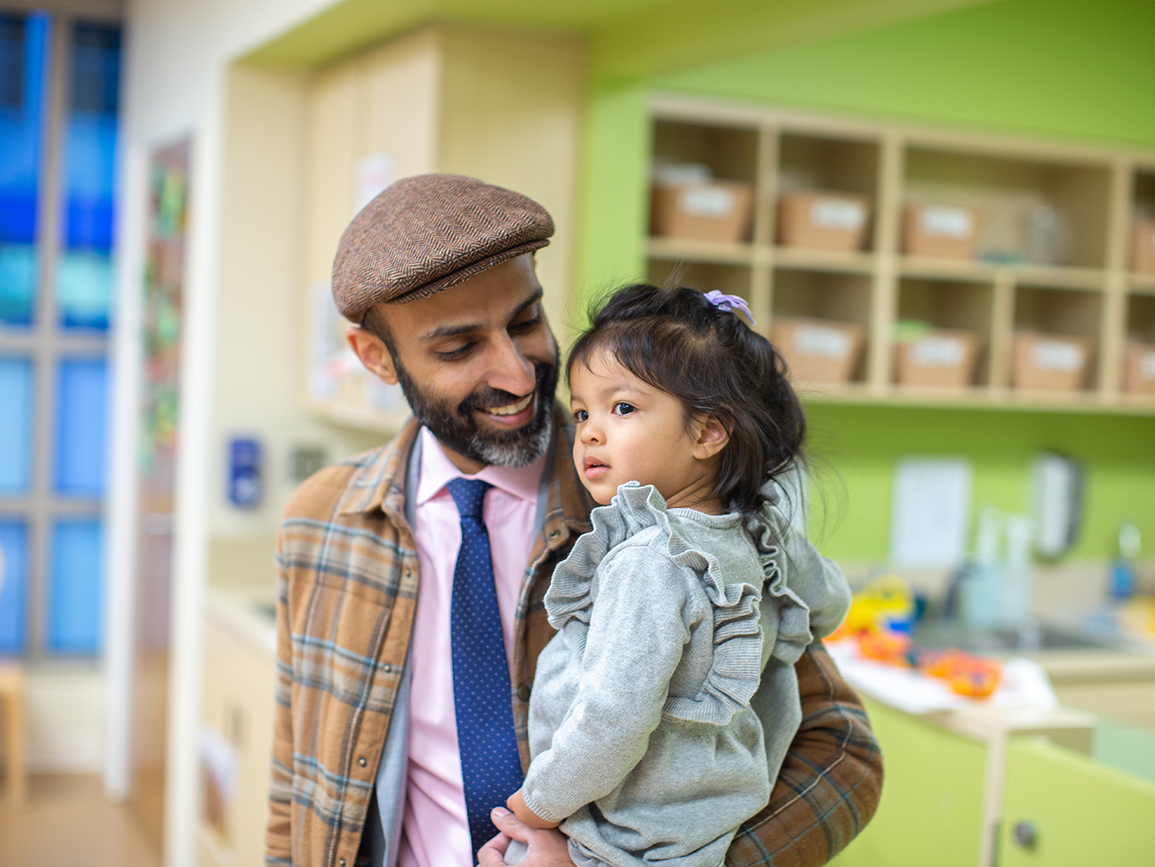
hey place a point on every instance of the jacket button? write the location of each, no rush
(362, 762)
(341, 863)
(523, 692)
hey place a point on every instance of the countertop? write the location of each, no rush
(248, 613)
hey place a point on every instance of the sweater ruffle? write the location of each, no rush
(743, 619)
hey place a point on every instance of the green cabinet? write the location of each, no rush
(1062, 808)
(944, 793)
(932, 797)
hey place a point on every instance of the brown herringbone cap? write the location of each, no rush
(426, 233)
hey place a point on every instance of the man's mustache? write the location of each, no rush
(487, 398)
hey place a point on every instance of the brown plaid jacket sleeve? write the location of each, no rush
(830, 781)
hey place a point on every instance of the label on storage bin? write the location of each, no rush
(823, 342)
(942, 222)
(937, 352)
(841, 214)
(714, 202)
(1056, 355)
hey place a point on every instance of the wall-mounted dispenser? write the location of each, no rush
(245, 487)
(1057, 485)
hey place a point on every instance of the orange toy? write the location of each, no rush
(889, 647)
(973, 676)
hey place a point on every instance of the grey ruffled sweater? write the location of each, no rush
(662, 709)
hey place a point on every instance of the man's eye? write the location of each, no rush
(525, 325)
(580, 415)
(454, 354)
(623, 408)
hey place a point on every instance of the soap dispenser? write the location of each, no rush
(1123, 569)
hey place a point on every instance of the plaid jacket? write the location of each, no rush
(347, 589)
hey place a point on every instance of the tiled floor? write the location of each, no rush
(67, 822)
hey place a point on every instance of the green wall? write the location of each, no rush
(1069, 69)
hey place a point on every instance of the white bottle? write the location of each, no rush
(1019, 580)
(981, 592)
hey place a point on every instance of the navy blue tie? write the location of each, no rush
(490, 763)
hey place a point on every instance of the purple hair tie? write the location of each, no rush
(731, 303)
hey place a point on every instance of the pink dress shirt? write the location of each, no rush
(435, 832)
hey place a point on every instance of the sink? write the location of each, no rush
(950, 633)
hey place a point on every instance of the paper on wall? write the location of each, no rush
(930, 509)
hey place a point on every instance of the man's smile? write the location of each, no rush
(511, 414)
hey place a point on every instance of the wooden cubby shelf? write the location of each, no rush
(1050, 251)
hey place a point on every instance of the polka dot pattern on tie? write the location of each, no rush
(490, 763)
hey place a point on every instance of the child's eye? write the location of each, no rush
(623, 408)
(580, 415)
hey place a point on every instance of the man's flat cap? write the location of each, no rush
(426, 233)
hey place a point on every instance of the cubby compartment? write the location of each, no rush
(703, 181)
(729, 152)
(1028, 211)
(1045, 321)
(1141, 236)
(1138, 375)
(818, 300)
(707, 276)
(827, 188)
(960, 314)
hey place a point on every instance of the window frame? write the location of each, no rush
(47, 344)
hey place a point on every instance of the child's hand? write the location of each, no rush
(517, 804)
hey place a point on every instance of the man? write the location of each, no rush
(402, 703)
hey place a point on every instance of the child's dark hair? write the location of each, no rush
(707, 357)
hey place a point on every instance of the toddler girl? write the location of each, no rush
(663, 707)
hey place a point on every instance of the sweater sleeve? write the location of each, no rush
(636, 636)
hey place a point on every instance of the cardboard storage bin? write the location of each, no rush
(1143, 246)
(821, 220)
(937, 359)
(1139, 368)
(703, 211)
(1049, 362)
(818, 350)
(939, 231)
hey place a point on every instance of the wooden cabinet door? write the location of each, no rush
(1062, 808)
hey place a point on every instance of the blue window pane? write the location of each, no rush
(84, 288)
(13, 584)
(75, 592)
(23, 44)
(15, 425)
(81, 426)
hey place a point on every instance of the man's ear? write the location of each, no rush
(373, 352)
(710, 437)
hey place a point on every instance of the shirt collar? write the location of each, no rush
(437, 469)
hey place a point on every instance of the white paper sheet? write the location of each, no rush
(930, 511)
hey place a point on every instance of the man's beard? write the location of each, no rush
(457, 429)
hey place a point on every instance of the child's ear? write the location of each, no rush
(711, 437)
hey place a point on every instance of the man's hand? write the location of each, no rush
(547, 848)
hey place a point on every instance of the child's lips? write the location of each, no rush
(594, 468)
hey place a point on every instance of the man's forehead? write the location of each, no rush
(489, 300)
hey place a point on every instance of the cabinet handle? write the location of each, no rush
(1026, 834)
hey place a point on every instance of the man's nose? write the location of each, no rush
(510, 370)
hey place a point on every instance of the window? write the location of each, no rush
(59, 83)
